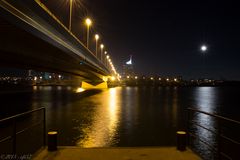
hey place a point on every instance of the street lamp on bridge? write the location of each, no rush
(88, 23)
(107, 57)
(96, 38)
(70, 15)
(105, 53)
(101, 46)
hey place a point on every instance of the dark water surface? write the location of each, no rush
(122, 116)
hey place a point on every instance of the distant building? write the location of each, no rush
(128, 68)
(29, 73)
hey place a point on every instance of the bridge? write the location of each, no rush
(33, 38)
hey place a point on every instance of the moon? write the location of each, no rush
(204, 48)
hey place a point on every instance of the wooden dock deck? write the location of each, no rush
(118, 153)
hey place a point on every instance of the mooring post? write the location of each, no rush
(181, 140)
(52, 141)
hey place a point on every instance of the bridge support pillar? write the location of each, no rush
(102, 85)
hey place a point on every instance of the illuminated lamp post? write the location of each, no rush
(70, 15)
(96, 38)
(88, 23)
(101, 46)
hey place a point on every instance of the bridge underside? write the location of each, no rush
(21, 49)
(24, 47)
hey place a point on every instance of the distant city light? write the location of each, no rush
(105, 79)
(159, 79)
(152, 78)
(50, 77)
(128, 77)
(80, 90)
(175, 79)
(167, 79)
(136, 77)
(130, 61)
(113, 78)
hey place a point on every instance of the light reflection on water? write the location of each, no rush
(124, 116)
(103, 129)
(130, 107)
(175, 104)
(206, 99)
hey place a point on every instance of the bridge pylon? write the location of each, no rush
(102, 85)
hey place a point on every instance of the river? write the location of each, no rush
(122, 116)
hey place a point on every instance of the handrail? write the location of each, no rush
(214, 115)
(21, 114)
(14, 134)
(216, 132)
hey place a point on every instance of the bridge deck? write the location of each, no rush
(141, 153)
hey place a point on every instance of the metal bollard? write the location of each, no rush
(181, 140)
(52, 141)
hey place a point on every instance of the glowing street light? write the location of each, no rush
(101, 46)
(113, 78)
(70, 14)
(105, 59)
(105, 53)
(88, 23)
(96, 38)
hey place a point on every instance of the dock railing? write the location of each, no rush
(12, 123)
(225, 146)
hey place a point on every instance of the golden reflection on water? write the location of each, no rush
(175, 104)
(103, 128)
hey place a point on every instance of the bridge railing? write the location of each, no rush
(217, 135)
(18, 136)
(66, 29)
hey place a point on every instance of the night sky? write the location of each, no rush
(163, 36)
